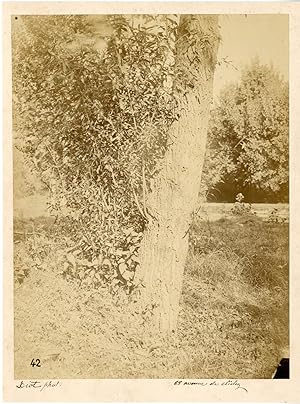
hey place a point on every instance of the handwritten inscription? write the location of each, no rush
(36, 384)
(235, 384)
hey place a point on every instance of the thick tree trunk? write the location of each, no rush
(174, 194)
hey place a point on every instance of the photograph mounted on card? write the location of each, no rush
(149, 244)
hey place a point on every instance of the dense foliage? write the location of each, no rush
(95, 122)
(248, 139)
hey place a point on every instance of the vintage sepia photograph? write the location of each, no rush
(150, 196)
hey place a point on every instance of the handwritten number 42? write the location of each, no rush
(35, 362)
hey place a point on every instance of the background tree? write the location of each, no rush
(248, 137)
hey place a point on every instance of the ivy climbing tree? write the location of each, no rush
(118, 136)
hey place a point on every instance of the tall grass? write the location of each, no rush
(233, 321)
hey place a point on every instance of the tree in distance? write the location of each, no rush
(248, 136)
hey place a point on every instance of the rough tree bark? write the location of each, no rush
(174, 193)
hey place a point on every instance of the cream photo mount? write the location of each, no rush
(147, 390)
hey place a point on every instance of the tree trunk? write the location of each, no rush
(174, 193)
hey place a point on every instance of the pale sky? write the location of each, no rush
(244, 38)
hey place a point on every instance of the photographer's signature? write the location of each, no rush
(37, 384)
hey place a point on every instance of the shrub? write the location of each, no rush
(240, 208)
(95, 125)
(274, 217)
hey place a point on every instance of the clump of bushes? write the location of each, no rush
(241, 208)
(274, 217)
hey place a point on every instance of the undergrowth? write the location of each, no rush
(233, 321)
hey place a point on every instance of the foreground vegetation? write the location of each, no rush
(233, 320)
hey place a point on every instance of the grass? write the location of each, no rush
(233, 321)
(240, 287)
